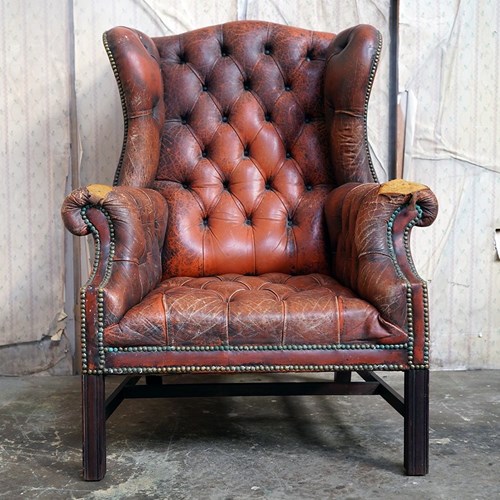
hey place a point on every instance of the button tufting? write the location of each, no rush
(205, 221)
(288, 88)
(248, 221)
(224, 118)
(246, 152)
(288, 154)
(224, 52)
(185, 185)
(268, 186)
(225, 184)
(307, 119)
(309, 187)
(289, 222)
(267, 117)
(204, 153)
(205, 88)
(246, 85)
(183, 120)
(267, 50)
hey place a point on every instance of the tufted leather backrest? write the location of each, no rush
(243, 161)
(243, 141)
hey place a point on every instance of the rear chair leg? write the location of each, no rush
(416, 426)
(93, 427)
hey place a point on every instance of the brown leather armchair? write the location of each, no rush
(246, 231)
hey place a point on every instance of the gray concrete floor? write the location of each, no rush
(239, 448)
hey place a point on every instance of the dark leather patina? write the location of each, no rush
(245, 211)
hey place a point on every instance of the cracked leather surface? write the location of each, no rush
(271, 309)
(244, 213)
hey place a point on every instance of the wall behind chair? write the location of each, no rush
(449, 52)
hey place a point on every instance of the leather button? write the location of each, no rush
(289, 222)
(185, 185)
(288, 154)
(205, 221)
(246, 85)
(248, 221)
(224, 118)
(205, 88)
(307, 119)
(288, 88)
(183, 120)
(267, 50)
(309, 187)
(224, 52)
(246, 152)
(267, 117)
(225, 184)
(268, 186)
(204, 153)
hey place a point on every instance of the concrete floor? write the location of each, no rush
(239, 448)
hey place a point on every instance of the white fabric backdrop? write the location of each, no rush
(449, 64)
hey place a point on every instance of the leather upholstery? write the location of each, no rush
(245, 231)
(363, 254)
(136, 220)
(234, 310)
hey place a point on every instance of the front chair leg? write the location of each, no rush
(93, 427)
(416, 426)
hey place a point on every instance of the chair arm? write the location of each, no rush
(369, 227)
(128, 225)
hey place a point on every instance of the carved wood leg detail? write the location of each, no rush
(416, 426)
(93, 427)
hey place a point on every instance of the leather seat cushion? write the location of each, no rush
(236, 310)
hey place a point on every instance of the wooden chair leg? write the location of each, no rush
(416, 426)
(93, 427)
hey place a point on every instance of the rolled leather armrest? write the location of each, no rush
(369, 226)
(128, 225)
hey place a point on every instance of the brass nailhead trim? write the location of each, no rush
(253, 368)
(124, 107)
(100, 291)
(292, 347)
(371, 77)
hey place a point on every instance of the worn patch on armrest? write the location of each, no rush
(98, 192)
(400, 186)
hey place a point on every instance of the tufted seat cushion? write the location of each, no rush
(235, 310)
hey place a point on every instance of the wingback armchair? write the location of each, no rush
(246, 230)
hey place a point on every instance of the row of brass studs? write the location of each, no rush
(124, 107)
(371, 77)
(249, 368)
(426, 323)
(425, 296)
(97, 242)
(291, 347)
(83, 330)
(406, 239)
(399, 272)
(100, 291)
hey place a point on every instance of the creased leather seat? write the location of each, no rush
(232, 310)
(246, 230)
